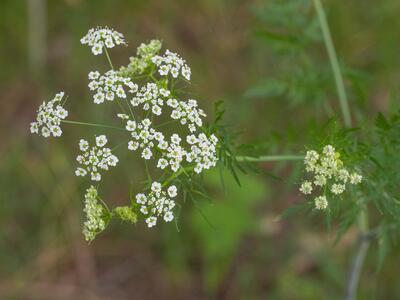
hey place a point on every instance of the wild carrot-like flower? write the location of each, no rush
(171, 63)
(328, 173)
(157, 203)
(95, 158)
(49, 117)
(100, 37)
(110, 86)
(147, 86)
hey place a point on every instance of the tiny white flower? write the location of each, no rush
(151, 221)
(162, 163)
(141, 198)
(156, 187)
(172, 191)
(130, 125)
(80, 172)
(98, 98)
(168, 216)
(146, 153)
(101, 140)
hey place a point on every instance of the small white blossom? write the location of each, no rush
(130, 125)
(172, 191)
(151, 221)
(49, 116)
(101, 140)
(169, 216)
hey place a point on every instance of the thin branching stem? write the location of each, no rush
(330, 48)
(92, 124)
(358, 261)
(268, 158)
(355, 271)
(108, 57)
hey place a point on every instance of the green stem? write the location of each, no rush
(359, 258)
(269, 158)
(108, 57)
(344, 105)
(92, 124)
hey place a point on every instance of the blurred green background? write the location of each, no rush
(235, 247)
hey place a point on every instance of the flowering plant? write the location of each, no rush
(144, 90)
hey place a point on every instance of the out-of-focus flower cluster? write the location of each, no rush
(49, 116)
(100, 37)
(328, 174)
(157, 203)
(95, 158)
(94, 211)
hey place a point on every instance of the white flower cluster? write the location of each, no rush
(49, 117)
(328, 172)
(171, 63)
(94, 211)
(190, 152)
(151, 97)
(157, 203)
(144, 137)
(202, 149)
(97, 38)
(187, 112)
(95, 158)
(109, 86)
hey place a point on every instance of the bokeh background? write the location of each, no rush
(265, 59)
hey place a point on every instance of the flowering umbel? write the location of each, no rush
(144, 93)
(327, 173)
(49, 117)
(102, 37)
